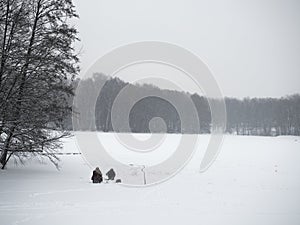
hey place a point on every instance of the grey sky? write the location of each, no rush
(252, 47)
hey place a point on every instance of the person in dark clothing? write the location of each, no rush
(97, 176)
(111, 174)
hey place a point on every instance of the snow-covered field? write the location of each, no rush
(255, 180)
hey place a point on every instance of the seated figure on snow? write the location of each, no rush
(97, 176)
(111, 174)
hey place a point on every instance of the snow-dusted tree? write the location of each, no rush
(37, 67)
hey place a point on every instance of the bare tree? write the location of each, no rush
(37, 67)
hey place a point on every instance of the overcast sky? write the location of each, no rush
(251, 46)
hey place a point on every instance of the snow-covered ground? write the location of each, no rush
(255, 180)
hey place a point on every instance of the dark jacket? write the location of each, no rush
(97, 176)
(111, 174)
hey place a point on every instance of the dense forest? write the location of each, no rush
(249, 116)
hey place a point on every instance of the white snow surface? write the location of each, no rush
(255, 180)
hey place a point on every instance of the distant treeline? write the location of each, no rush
(249, 116)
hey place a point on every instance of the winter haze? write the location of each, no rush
(252, 47)
(93, 138)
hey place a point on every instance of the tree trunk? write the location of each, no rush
(3, 57)
(3, 158)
